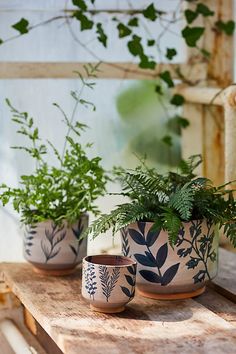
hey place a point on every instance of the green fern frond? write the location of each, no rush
(172, 224)
(182, 201)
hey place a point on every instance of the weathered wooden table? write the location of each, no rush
(60, 318)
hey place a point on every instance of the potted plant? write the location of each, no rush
(170, 227)
(53, 201)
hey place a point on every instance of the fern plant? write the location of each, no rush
(170, 200)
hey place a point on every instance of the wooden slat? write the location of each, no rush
(63, 70)
(202, 95)
(147, 326)
(218, 304)
(225, 282)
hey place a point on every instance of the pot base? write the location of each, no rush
(107, 309)
(54, 272)
(177, 296)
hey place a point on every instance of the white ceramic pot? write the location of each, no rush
(108, 282)
(164, 272)
(53, 249)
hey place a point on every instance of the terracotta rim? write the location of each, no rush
(177, 296)
(128, 261)
(54, 272)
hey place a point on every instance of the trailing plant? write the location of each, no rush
(64, 191)
(170, 200)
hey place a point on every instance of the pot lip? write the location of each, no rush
(84, 214)
(130, 261)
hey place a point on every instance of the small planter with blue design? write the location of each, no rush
(108, 282)
(55, 249)
(164, 272)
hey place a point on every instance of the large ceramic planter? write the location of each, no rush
(164, 272)
(55, 250)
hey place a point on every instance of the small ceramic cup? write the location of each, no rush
(108, 282)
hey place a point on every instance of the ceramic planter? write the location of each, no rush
(108, 282)
(166, 273)
(55, 250)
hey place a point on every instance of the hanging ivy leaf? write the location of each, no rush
(135, 47)
(146, 63)
(124, 31)
(22, 26)
(190, 15)
(177, 100)
(204, 10)
(167, 139)
(166, 77)
(170, 53)
(158, 89)
(133, 22)
(85, 22)
(182, 122)
(226, 27)
(192, 35)
(102, 37)
(80, 3)
(150, 42)
(150, 12)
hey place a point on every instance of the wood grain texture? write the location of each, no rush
(121, 70)
(225, 282)
(147, 326)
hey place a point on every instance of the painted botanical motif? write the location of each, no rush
(50, 246)
(151, 260)
(90, 282)
(77, 232)
(199, 248)
(130, 278)
(125, 241)
(108, 281)
(30, 232)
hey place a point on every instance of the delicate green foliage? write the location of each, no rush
(80, 3)
(150, 42)
(146, 63)
(66, 190)
(158, 89)
(1, 41)
(124, 31)
(85, 22)
(190, 15)
(102, 37)
(135, 47)
(150, 12)
(167, 139)
(177, 123)
(170, 53)
(192, 35)
(226, 27)
(133, 22)
(177, 100)
(204, 10)
(22, 26)
(169, 200)
(166, 77)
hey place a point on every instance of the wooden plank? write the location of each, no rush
(202, 95)
(147, 326)
(225, 282)
(66, 70)
(218, 304)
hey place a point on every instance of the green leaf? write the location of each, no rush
(150, 42)
(166, 77)
(205, 53)
(150, 12)
(124, 31)
(1, 41)
(158, 89)
(135, 47)
(102, 37)
(182, 122)
(22, 26)
(177, 100)
(192, 35)
(146, 63)
(85, 22)
(226, 27)
(80, 3)
(190, 15)
(167, 139)
(170, 53)
(133, 22)
(204, 10)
